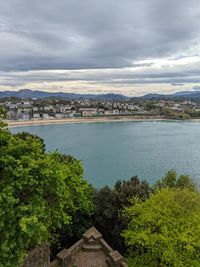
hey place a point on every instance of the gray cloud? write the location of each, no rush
(72, 34)
(177, 84)
(88, 35)
(102, 77)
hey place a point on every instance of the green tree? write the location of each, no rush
(40, 195)
(164, 230)
(171, 180)
(108, 205)
(150, 106)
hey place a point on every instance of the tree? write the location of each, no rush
(108, 205)
(151, 105)
(40, 195)
(171, 180)
(164, 230)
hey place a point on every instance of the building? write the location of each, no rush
(35, 109)
(27, 103)
(36, 116)
(13, 115)
(88, 112)
(26, 116)
(112, 112)
(58, 116)
(90, 251)
(45, 116)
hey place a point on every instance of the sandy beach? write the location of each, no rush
(81, 120)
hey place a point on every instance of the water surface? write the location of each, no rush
(119, 150)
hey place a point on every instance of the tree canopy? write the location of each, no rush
(40, 193)
(164, 230)
(172, 180)
(108, 205)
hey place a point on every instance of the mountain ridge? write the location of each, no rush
(28, 93)
(178, 95)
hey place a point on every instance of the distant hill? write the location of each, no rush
(179, 95)
(27, 93)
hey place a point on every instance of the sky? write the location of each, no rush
(130, 47)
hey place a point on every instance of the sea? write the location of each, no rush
(119, 150)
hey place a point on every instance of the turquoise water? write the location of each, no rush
(119, 150)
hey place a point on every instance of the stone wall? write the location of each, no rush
(38, 257)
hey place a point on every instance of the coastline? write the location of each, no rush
(83, 120)
(92, 120)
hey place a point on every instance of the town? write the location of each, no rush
(17, 109)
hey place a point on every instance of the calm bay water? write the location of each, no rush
(119, 150)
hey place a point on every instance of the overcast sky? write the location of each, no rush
(131, 47)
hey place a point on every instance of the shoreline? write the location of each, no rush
(91, 120)
(82, 120)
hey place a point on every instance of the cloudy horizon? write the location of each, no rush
(109, 46)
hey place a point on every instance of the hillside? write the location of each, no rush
(179, 95)
(27, 93)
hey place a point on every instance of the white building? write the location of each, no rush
(26, 117)
(35, 108)
(36, 116)
(89, 113)
(45, 116)
(58, 116)
(112, 112)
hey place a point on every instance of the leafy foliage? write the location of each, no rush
(40, 193)
(164, 230)
(108, 204)
(172, 180)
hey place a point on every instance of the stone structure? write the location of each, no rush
(90, 251)
(38, 257)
